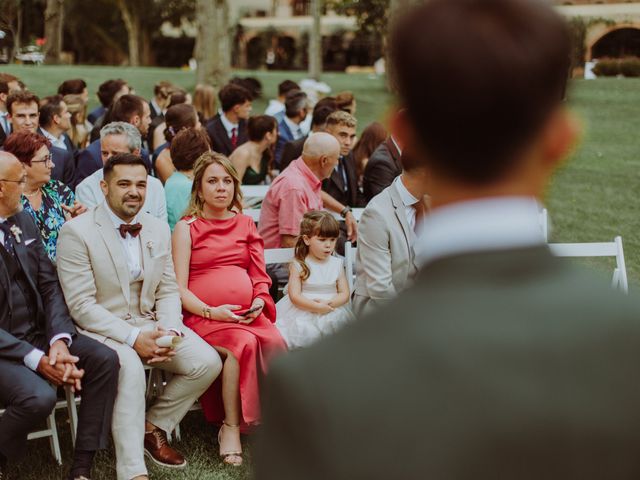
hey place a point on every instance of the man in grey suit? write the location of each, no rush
(501, 361)
(385, 259)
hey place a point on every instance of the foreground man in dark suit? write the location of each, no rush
(502, 361)
(39, 345)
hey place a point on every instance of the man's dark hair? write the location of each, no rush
(4, 87)
(126, 107)
(286, 86)
(22, 96)
(320, 114)
(295, 101)
(478, 79)
(50, 106)
(252, 84)
(231, 95)
(107, 90)
(75, 86)
(121, 159)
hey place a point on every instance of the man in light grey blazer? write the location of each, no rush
(385, 262)
(118, 279)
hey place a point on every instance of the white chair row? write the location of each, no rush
(254, 213)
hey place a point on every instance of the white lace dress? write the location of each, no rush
(301, 328)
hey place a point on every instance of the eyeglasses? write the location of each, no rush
(47, 160)
(22, 181)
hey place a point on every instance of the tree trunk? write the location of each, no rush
(132, 24)
(146, 53)
(53, 22)
(212, 49)
(17, 39)
(315, 41)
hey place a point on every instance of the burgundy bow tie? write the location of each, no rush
(132, 228)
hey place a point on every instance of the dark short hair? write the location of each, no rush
(259, 125)
(22, 96)
(121, 159)
(286, 86)
(177, 96)
(320, 115)
(24, 145)
(126, 107)
(231, 95)
(295, 101)
(187, 146)
(50, 106)
(107, 90)
(72, 87)
(488, 75)
(4, 87)
(253, 85)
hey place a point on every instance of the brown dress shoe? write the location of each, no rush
(157, 449)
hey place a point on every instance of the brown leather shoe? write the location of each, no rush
(157, 449)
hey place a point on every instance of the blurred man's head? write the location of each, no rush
(296, 106)
(119, 137)
(131, 109)
(23, 110)
(481, 83)
(54, 115)
(342, 125)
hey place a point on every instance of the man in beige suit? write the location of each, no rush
(385, 262)
(117, 275)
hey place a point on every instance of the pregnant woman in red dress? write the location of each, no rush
(219, 263)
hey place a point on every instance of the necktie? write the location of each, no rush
(234, 137)
(132, 228)
(8, 238)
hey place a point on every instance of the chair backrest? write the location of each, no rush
(258, 191)
(254, 213)
(544, 223)
(350, 264)
(278, 255)
(602, 249)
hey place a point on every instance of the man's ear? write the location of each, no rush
(135, 120)
(402, 130)
(104, 187)
(558, 137)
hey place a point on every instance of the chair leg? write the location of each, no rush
(73, 413)
(53, 439)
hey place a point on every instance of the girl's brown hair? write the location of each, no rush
(314, 223)
(196, 204)
(371, 138)
(177, 118)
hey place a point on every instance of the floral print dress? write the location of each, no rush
(50, 217)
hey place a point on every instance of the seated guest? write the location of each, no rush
(128, 108)
(178, 117)
(39, 345)
(55, 122)
(252, 159)
(276, 106)
(386, 261)
(204, 100)
(187, 146)
(372, 136)
(116, 272)
(24, 114)
(228, 130)
(216, 245)
(289, 129)
(383, 166)
(293, 149)
(80, 126)
(108, 92)
(121, 137)
(49, 202)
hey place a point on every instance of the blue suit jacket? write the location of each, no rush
(90, 160)
(64, 167)
(284, 136)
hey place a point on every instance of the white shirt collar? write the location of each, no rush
(156, 107)
(56, 141)
(480, 225)
(228, 126)
(407, 199)
(117, 221)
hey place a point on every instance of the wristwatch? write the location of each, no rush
(344, 211)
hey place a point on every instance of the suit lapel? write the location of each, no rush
(148, 265)
(409, 234)
(222, 134)
(114, 247)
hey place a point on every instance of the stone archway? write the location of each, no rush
(615, 41)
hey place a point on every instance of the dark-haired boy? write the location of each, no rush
(228, 129)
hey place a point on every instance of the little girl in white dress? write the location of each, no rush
(317, 300)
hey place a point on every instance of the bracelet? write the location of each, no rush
(344, 211)
(206, 312)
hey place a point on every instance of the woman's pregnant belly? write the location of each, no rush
(223, 285)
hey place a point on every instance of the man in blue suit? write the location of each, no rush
(296, 109)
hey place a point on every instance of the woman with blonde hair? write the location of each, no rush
(80, 126)
(204, 99)
(224, 287)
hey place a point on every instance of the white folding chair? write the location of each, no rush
(254, 213)
(350, 264)
(51, 431)
(604, 249)
(278, 255)
(544, 223)
(254, 191)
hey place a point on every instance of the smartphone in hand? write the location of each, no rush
(244, 313)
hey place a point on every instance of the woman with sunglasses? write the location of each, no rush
(50, 202)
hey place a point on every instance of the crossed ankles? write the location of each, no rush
(230, 454)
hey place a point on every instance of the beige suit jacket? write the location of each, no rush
(385, 261)
(94, 275)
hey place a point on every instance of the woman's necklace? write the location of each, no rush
(29, 195)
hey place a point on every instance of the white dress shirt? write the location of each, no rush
(89, 194)
(5, 123)
(274, 107)
(294, 127)
(497, 223)
(32, 359)
(56, 142)
(408, 201)
(228, 126)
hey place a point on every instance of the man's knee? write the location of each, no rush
(40, 402)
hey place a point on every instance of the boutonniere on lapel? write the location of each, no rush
(16, 232)
(150, 247)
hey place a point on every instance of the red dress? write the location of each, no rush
(227, 267)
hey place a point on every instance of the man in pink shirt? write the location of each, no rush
(297, 190)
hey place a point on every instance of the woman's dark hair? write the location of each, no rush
(179, 117)
(24, 145)
(73, 86)
(107, 90)
(177, 97)
(314, 223)
(371, 138)
(187, 146)
(259, 125)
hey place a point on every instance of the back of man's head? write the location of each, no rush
(126, 107)
(231, 95)
(478, 79)
(295, 101)
(286, 86)
(49, 108)
(108, 90)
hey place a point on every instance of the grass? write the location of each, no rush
(592, 198)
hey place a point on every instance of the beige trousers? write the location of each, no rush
(194, 368)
